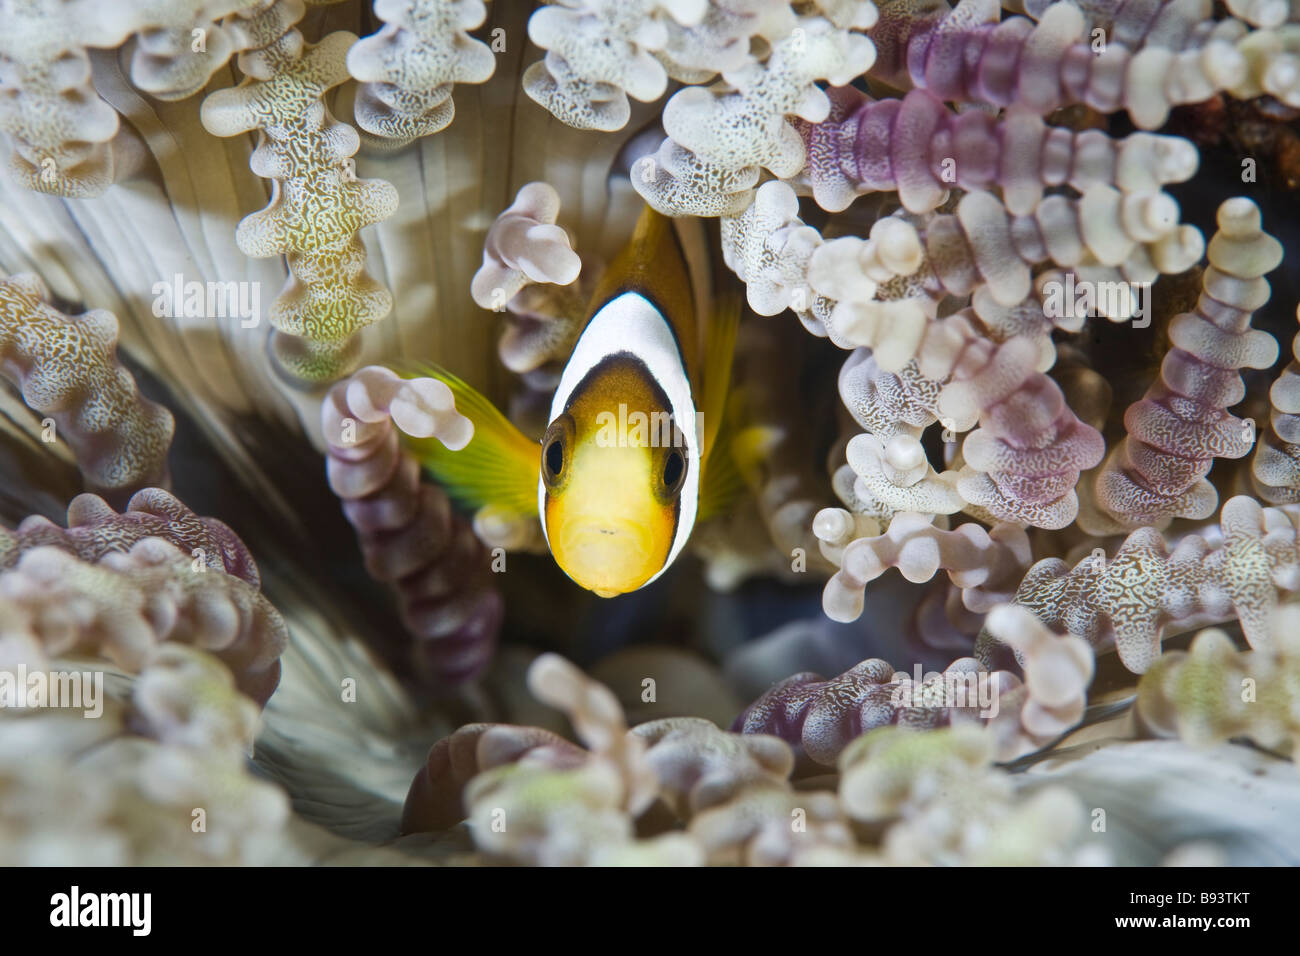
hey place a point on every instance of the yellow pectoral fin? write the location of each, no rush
(719, 353)
(498, 467)
(722, 482)
(750, 447)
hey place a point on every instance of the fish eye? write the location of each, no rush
(555, 457)
(674, 469)
(555, 451)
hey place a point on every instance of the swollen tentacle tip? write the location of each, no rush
(1149, 216)
(1177, 251)
(834, 270)
(833, 525)
(1240, 247)
(1282, 78)
(424, 408)
(1238, 217)
(1260, 13)
(1224, 65)
(897, 247)
(1177, 159)
(407, 70)
(524, 246)
(904, 453)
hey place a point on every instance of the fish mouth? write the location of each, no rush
(607, 558)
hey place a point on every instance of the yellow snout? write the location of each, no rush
(607, 557)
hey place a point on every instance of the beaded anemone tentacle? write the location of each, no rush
(319, 205)
(1020, 377)
(1181, 425)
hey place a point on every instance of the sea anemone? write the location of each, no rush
(1017, 308)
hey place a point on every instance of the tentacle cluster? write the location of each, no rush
(969, 54)
(434, 799)
(981, 243)
(887, 471)
(953, 807)
(408, 533)
(1181, 425)
(67, 367)
(718, 140)
(1213, 692)
(823, 716)
(129, 787)
(920, 149)
(600, 52)
(1023, 462)
(67, 141)
(879, 292)
(1147, 587)
(319, 205)
(407, 70)
(124, 582)
(1276, 466)
(556, 803)
(95, 529)
(592, 822)
(131, 600)
(986, 565)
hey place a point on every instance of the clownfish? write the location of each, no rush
(632, 457)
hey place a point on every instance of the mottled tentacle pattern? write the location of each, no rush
(887, 467)
(1023, 462)
(1236, 571)
(176, 59)
(820, 718)
(919, 148)
(970, 55)
(1199, 694)
(408, 532)
(1021, 465)
(67, 368)
(600, 52)
(823, 716)
(718, 139)
(120, 584)
(1181, 425)
(407, 70)
(318, 205)
(66, 140)
(1276, 466)
(95, 529)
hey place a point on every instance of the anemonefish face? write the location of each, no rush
(619, 479)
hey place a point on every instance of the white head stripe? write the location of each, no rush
(631, 323)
